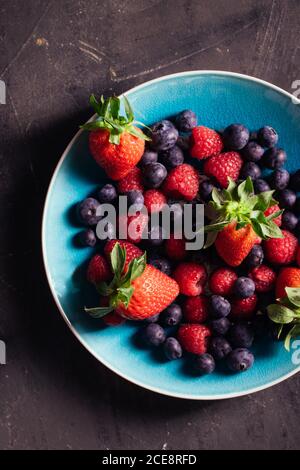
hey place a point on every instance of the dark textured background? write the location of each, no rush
(53, 394)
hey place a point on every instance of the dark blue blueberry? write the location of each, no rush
(219, 347)
(240, 359)
(220, 326)
(87, 211)
(295, 181)
(88, 237)
(172, 157)
(244, 287)
(172, 349)
(274, 158)
(107, 194)
(172, 315)
(261, 186)
(286, 198)
(164, 135)
(160, 263)
(250, 169)
(241, 335)
(154, 174)
(279, 179)
(153, 319)
(255, 257)
(156, 236)
(267, 136)
(220, 307)
(205, 190)
(205, 363)
(235, 136)
(253, 151)
(149, 156)
(154, 334)
(135, 198)
(289, 221)
(186, 120)
(183, 142)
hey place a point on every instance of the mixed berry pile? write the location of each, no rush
(245, 282)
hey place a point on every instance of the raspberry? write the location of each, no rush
(154, 200)
(194, 338)
(191, 278)
(222, 280)
(272, 210)
(175, 248)
(205, 143)
(224, 166)
(281, 250)
(98, 270)
(132, 251)
(243, 309)
(195, 309)
(182, 182)
(263, 277)
(131, 182)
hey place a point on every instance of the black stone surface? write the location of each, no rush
(53, 54)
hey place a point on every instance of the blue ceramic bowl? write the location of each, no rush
(218, 98)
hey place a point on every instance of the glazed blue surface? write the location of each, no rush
(218, 101)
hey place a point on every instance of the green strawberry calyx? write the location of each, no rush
(238, 203)
(109, 118)
(120, 289)
(287, 312)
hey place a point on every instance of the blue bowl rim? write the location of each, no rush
(45, 261)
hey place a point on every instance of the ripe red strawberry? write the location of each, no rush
(281, 250)
(115, 143)
(132, 251)
(195, 309)
(154, 200)
(98, 270)
(272, 210)
(224, 166)
(222, 281)
(133, 226)
(175, 248)
(288, 277)
(191, 278)
(243, 309)
(263, 277)
(182, 183)
(234, 245)
(131, 182)
(205, 143)
(194, 338)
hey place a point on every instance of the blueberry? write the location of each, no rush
(205, 190)
(149, 156)
(107, 194)
(240, 359)
(220, 307)
(286, 198)
(156, 236)
(164, 135)
(253, 151)
(205, 363)
(88, 237)
(172, 157)
(267, 136)
(172, 349)
(154, 174)
(250, 169)
(274, 158)
(154, 334)
(172, 315)
(135, 198)
(289, 221)
(241, 335)
(261, 186)
(244, 287)
(236, 136)
(295, 181)
(87, 211)
(255, 257)
(220, 326)
(183, 142)
(153, 319)
(162, 264)
(219, 347)
(186, 120)
(279, 179)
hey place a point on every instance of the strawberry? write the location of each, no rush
(194, 338)
(263, 277)
(288, 277)
(132, 251)
(222, 280)
(195, 309)
(283, 250)
(175, 248)
(234, 245)
(182, 182)
(224, 166)
(132, 227)
(154, 200)
(98, 270)
(191, 278)
(273, 210)
(205, 143)
(243, 309)
(115, 143)
(131, 182)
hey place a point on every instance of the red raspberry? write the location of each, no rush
(195, 309)
(205, 143)
(175, 248)
(224, 166)
(194, 338)
(272, 210)
(281, 250)
(182, 182)
(131, 182)
(263, 277)
(133, 225)
(191, 278)
(154, 200)
(222, 280)
(132, 251)
(243, 309)
(98, 270)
